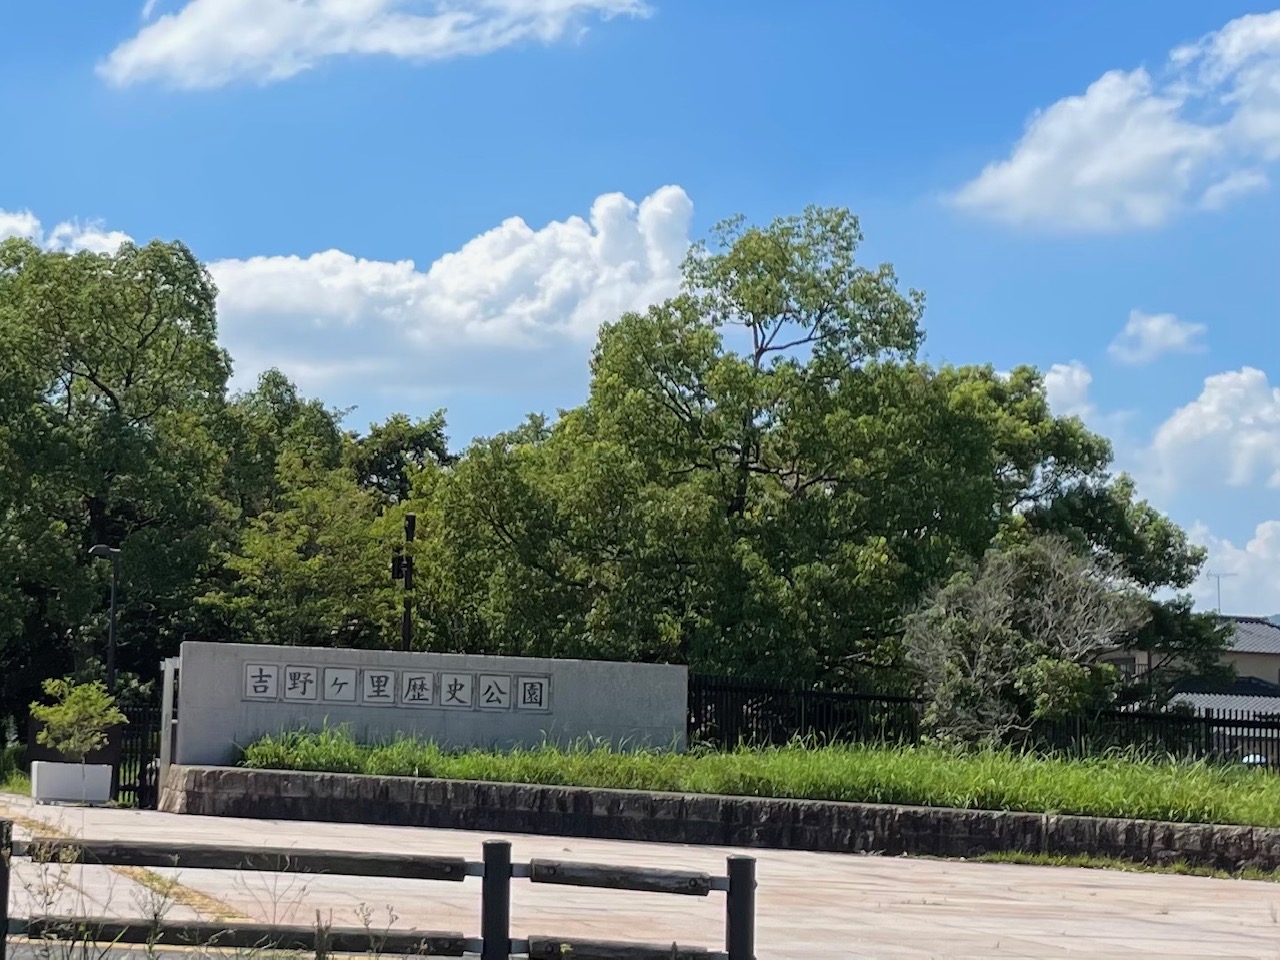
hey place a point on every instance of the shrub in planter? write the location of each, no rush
(75, 725)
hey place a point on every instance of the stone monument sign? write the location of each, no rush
(229, 695)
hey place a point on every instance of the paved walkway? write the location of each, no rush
(811, 906)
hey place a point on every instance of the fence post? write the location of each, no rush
(495, 903)
(6, 849)
(740, 909)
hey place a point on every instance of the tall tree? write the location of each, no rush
(763, 481)
(119, 380)
(313, 569)
(386, 459)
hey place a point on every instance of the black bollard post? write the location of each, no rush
(6, 851)
(495, 904)
(740, 909)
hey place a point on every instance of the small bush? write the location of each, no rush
(76, 723)
(1117, 785)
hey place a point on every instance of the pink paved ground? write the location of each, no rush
(811, 906)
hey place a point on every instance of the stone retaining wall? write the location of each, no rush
(716, 820)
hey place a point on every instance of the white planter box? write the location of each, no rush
(70, 782)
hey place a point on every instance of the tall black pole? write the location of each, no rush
(406, 617)
(6, 850)
(111, 627)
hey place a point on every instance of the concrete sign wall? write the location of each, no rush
(232, 694)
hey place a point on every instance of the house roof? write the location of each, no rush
(1236, 706)
(1237, 686)
(1255, 635)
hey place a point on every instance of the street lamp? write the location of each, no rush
(102, 552)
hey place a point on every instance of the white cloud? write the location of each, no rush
(91, 237)
(209, 43)
(71, 236)
(512, 286)
(513, 308)
(1229, 434)
(1068, 389)
(1251, 581)
(1066, 386)
(1234, 185)
(1147, 336)
(19, 223)
(1136, 148)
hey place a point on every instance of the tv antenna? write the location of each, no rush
(1218, 577)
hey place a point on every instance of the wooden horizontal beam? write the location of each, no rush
(245, 936)
(685, 882)
(556, 948)
(274, 860)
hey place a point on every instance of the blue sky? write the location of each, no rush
(410, 204)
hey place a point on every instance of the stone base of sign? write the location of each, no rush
(716, 820)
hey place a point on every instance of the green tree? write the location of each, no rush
(1106, 516)
(387, 458)
(1022, 636)
(112, 382)
(762, 480)
(265, 423)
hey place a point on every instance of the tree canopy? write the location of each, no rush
(764, 480)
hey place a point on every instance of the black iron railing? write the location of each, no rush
(139, 749)
(726, 712)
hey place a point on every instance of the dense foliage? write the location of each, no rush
(76, 723)
(764, 480)
(1118, 785)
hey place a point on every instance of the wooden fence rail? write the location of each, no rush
(495, 871)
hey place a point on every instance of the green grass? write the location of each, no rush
(16, 782)
(1116, 785)
(12, 777)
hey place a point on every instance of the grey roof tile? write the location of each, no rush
(1258, 707)
(1255, 635)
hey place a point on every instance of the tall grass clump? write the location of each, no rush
(13, 778)
(1116, 785)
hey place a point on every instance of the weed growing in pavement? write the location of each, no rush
(53, 896)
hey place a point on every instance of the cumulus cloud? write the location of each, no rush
(210, 43)
(513, 285)
(1066, 386)
(70, 235)
(20, 223)
(1136, 148)
(1230, 435)
(513, 308)
(1148, 336)
(1251, 582)
(1068, 389)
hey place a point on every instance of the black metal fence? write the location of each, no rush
(724, 713)
(139, 749)
(495, 871)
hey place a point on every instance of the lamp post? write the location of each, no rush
(102, 552)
